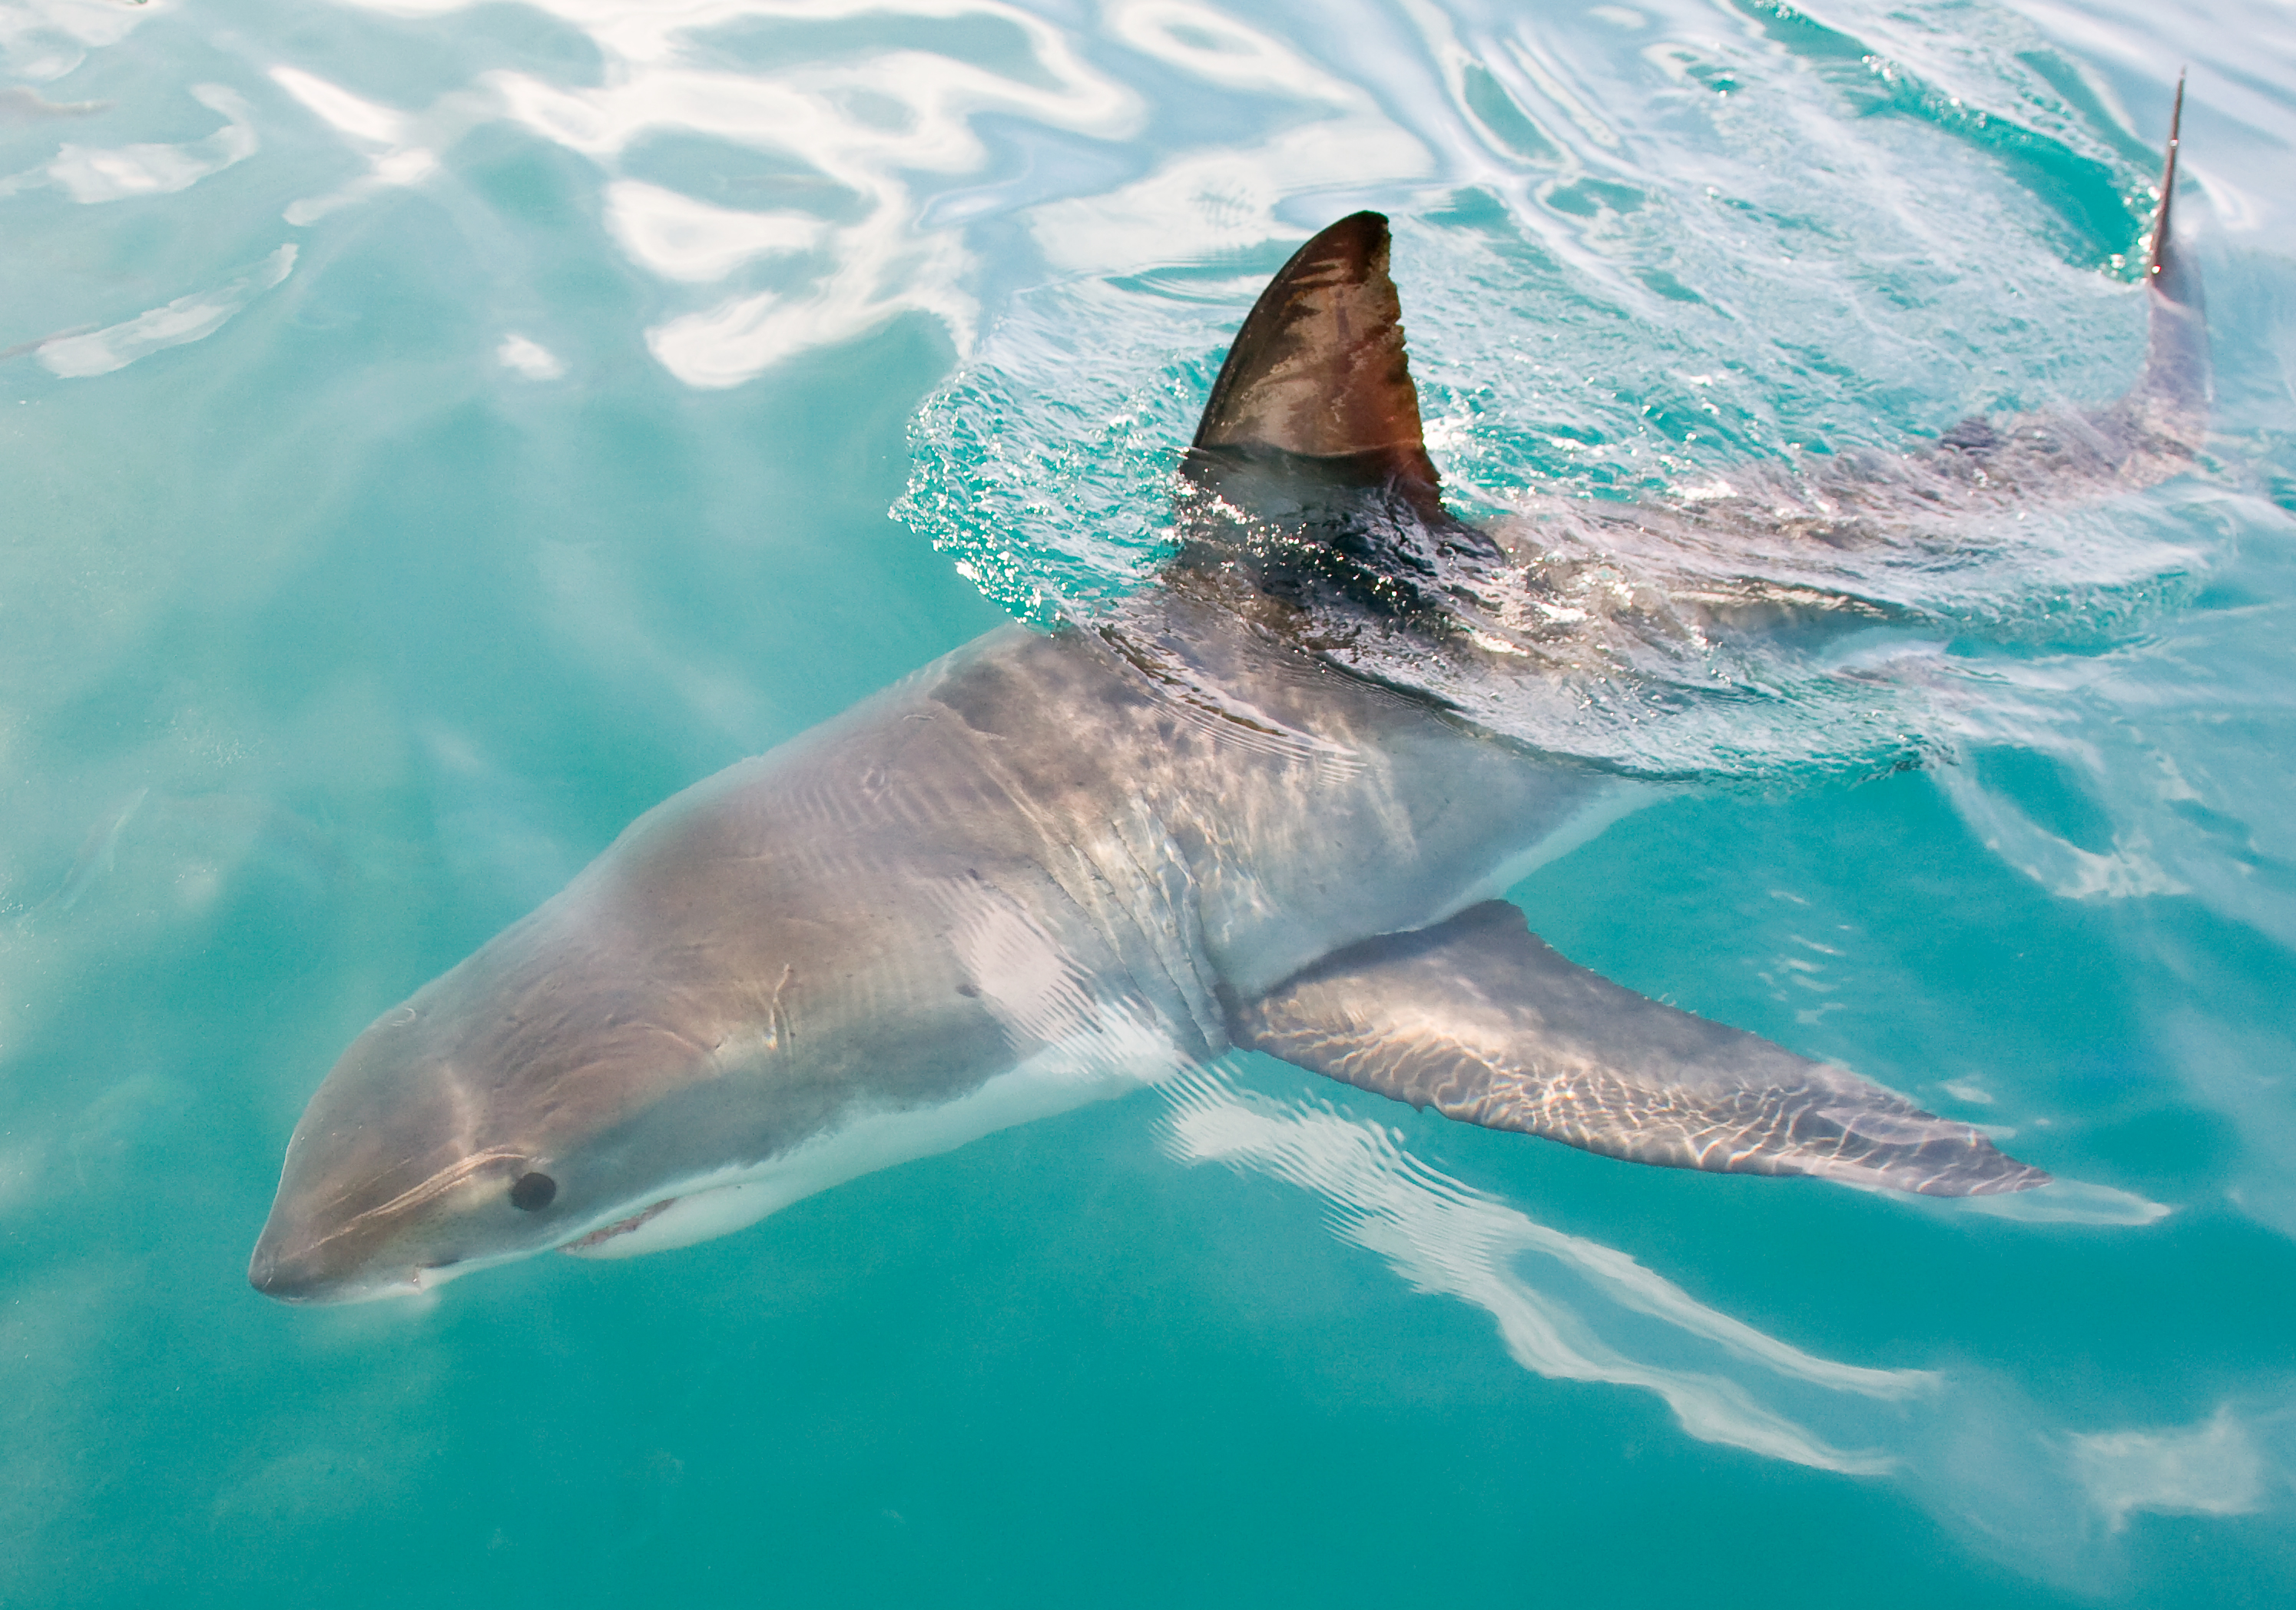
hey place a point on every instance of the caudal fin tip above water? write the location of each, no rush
(2164, 263)
(2167, 410)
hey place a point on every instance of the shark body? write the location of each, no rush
(1052, 867)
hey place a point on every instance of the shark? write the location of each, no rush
(1268, 804)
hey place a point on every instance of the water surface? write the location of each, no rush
(431, 433)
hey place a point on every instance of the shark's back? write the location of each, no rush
(1312, 509)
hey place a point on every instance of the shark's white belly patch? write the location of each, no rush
(1092, 1066)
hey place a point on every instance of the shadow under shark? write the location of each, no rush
(1259, 806)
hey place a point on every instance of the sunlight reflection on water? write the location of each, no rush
(1641, 247)
(2039, 1498)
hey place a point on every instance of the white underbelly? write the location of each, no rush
(1089, 1067)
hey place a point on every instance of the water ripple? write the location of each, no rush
(2048, 1499)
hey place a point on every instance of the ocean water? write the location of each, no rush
(431, 433)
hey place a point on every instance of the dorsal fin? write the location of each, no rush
(1318, 373)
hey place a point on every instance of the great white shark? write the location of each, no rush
(1240, 810)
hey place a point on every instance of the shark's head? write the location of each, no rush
(610, 1075)
(501, 1111)
(404, 1171)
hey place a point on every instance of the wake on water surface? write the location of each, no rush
(1736, 572)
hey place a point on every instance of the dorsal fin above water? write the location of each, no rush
(1317, 375)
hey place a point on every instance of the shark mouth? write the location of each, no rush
(587, 1246)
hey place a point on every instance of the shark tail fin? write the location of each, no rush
(1480, 1020)
(2169, 403)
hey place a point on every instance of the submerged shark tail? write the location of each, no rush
(2168, 405)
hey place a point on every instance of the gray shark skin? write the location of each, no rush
(1051, 868)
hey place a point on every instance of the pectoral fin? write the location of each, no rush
(1482, 1021)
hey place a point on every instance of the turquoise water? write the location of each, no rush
(431, 433)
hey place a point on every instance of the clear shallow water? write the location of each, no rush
(453, 429)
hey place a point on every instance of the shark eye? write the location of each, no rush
(533, 1191)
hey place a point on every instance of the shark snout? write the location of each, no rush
(290, 1278)
(292, 1273)
(396, 1232)
(287, 1273)
(295, 1270)
(329, 1255)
